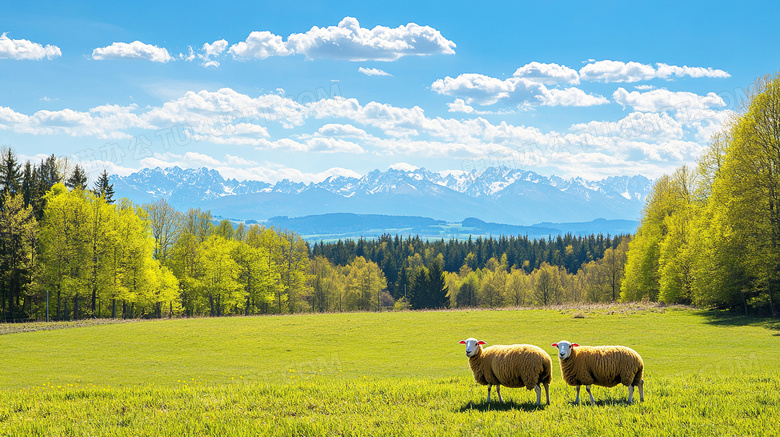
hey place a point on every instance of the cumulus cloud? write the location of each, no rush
(548, 74)
(637, 125)
(25, 49)
(347, 41)
(570, 97)
(133, 50)
(260, 45)
(103, 122)
(345, 125)
(373, 72)
(486, 90)
(477, 88)
(667, 71)
(460, 105)
(211, 51)
(617, 71)
(664, 100)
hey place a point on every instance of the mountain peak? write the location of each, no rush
(499, 194)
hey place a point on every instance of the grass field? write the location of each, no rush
(383, 374)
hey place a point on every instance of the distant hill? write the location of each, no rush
(497, 194)
(328, 227)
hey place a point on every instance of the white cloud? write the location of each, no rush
(210, 51)
(548, 74)
(347, 41)
(403, 166)
(667, 71)
(477, 88)
(570, 97)
(237, 160)
(617, 71)
(663, 138)
(460, 105)
(102, 122)
(664, 100)
(341, 130)
(133, 50)
(486, 90)
(373, 72)
(24, 49)
(260, 45)
(637, 125)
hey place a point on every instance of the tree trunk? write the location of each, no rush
(113, 308)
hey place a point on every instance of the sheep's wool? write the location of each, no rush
(606, 366)
(514, 366)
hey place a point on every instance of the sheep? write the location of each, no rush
(606, 366)
(517, 365)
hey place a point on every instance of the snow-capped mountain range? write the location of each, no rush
(497, 194)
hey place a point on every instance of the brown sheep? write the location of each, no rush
(517, 365)
(606, 366)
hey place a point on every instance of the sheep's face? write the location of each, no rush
(564, 349)
(472, 346)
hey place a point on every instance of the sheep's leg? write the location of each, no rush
(592, 401)
(641, 390)
(630, 394)
(498, 390)
(489, 386)
(547, 392)
(538, 391)
(577, 400)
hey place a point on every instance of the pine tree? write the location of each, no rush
(78, 179)
(10, 178)
(437, 287)
(28, 183)
(104, 188)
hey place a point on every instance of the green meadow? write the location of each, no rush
(706, 373)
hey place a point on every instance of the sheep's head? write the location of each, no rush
(564, 349)
(473, 346)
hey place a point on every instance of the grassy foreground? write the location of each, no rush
(381, 374)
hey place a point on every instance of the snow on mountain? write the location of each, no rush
(499, 194)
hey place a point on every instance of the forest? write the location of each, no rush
(69, 251)
(709, 237)
(710, 233)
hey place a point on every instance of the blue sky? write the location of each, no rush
(303, 90)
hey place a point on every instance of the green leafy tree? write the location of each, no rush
(219, 281)
(18, 240)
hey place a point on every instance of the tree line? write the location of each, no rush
(710, 233)
(71, 251)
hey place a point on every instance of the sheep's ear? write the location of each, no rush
(554, 345)
(481, 342)
(574, 345)
(463, 342)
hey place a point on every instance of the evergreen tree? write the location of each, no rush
(28, 183)
(78, 179)
(10, 176)
(103, 187)
(437, 287)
